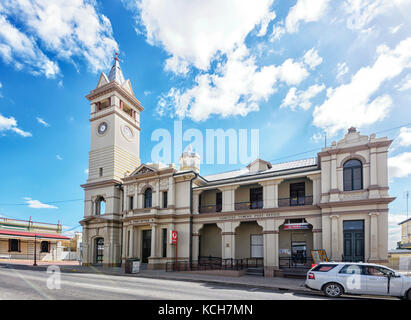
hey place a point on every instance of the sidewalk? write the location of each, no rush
(276, 283)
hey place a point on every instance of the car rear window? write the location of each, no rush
(324, 267)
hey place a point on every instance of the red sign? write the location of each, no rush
(173, 237)
(296, 226)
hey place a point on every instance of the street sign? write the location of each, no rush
(173, 237)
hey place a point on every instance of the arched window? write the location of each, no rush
(352, 175)
(148, 198)
(100, 206)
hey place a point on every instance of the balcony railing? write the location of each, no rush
(248, 205)
(210, 208)
(296, 201)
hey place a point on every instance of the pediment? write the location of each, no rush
(102, 80)
(143, 169)
(127, 86)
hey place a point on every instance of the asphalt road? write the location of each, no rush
(20, 283)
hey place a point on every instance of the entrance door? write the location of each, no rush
(299, 252)
(99, 250)
(354, 240)
(146, 246)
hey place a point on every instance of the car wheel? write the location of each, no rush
(408, 295)
(333, 290)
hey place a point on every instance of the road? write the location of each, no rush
(28, 283)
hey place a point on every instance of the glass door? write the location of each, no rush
(99, 250)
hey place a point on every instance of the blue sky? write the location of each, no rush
(292, 69)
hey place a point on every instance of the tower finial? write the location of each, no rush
(116, 56)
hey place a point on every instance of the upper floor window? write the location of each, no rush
(100, 206)
(352, 175)
(131, 202)
(148, 198)
(165, 196)
(103, 104)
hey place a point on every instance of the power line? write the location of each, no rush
(49, 202)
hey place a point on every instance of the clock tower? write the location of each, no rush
(114, 153)
(115, 127)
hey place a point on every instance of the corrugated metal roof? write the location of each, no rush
(275, 168)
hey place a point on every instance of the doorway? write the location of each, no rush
(146, 246)
(353, 240)
(99, 250)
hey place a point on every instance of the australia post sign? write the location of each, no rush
(173, 237)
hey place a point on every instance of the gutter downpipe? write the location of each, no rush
(120, 187)
(190, 257)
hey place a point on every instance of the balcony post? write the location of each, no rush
(270, 193)
(316, 179)
(228, 198)
(196, 201)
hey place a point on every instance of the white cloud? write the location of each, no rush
(86, 171)
(353, 104)
(362, 12)
(399, 166)
(394, 230)
(58, 157)
(41, 121)
(19, 49)
(36, 204)
(395, 29)
(67, 29)
(10, 124)
(236, 89)
(305, 11)
(298, 98)
(265, 22)
(342, 69)
(405, 84)
(404, 138)
(312, 59)
(194, 32)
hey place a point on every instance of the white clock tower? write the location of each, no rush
(114, 153)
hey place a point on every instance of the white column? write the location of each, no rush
(334, 172)
(317, 239)
(132, 241)
(334, 238)
(153, 240)
(196, 200)
(374, 235)
(228, 198)
(316, 179)
(171, 193)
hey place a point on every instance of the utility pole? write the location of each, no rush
(35, 253)
(407, 195)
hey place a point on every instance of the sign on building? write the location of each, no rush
(173, 237)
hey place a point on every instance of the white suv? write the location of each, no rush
(336, 278)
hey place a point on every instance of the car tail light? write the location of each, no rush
(311, 276)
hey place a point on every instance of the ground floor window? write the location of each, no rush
(45, 246)
(14, 245)
(257, 246)
(99, 250)
(164, 251)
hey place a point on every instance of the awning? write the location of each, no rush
(33, 234)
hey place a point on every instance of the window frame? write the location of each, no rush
(48, 246)
(146, 198)
(165, 199)
(351, 170)
(18, 245)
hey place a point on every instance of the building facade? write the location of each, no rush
(337, 201)
(21, 239)
(405, 234)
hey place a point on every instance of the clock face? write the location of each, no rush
(102, 127)
(127, 132)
